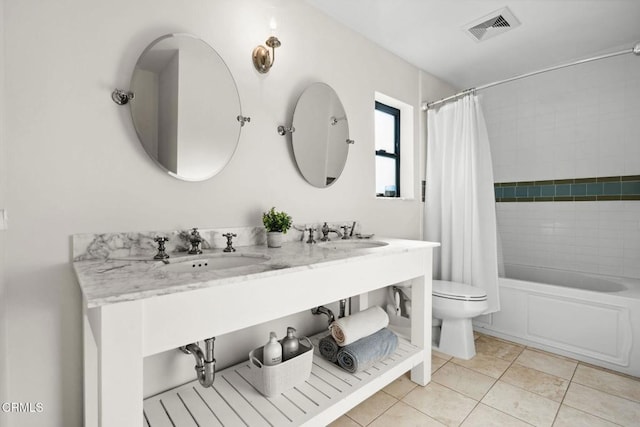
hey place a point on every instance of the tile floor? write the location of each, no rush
(505, 384)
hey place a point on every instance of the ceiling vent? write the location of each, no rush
(491, 25)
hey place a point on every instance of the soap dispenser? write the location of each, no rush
(272, 351)
(290, 344)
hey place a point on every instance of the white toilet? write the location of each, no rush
(456, 304)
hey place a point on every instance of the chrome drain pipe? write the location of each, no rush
(324, 310)
(343, 306)
(205, 362)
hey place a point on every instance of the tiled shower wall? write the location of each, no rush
(593, 237)
(575, 123)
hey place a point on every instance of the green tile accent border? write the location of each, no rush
(603, 188)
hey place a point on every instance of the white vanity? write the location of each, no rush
(134, 308)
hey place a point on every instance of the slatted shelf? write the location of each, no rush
(232, 401)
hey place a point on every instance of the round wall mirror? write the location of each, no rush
(185, 107)
(321, 137)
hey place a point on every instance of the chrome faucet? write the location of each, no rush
(345, 232)
(195, 239)
(325, 232)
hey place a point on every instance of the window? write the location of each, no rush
(387, 137)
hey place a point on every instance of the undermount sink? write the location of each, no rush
(213, 262)
(352, 244)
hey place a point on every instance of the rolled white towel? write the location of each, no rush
(359, 325)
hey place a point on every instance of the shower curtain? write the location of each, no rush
(460, 201)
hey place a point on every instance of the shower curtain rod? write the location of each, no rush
(426, 105)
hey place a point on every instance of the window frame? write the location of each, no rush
(395, 112)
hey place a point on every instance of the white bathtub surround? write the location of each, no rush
(135, 309)
(591, 318)
(570, 123)
(460, 207)
(590, 237)
(549, 127)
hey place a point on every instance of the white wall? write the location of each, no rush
(579, 122)
(76, 165)
(3, 185)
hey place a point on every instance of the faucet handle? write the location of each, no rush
(161, 250)
(229, 237)
(195, 240)
(325, 232)
(311, 230)
(345, 232)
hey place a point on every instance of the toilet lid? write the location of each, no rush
(457, 291)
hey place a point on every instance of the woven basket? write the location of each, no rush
(273, 380)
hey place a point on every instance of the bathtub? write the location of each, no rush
(592, 318)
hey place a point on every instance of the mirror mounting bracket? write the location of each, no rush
(121, 97)
(283, 130)
(243, 120)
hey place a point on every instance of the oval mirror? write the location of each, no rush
(321, 137)
(185, 107)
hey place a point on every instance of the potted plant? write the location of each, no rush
(277, 224)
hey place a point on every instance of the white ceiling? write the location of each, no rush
(429, 33)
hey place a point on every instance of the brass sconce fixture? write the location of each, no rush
(262, 60)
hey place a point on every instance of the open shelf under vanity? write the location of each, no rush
(134, 310)
(328, 393)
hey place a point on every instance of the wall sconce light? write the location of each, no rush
(262, 60)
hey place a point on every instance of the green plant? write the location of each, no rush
(276, 221)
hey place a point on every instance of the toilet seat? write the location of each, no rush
(457, 291)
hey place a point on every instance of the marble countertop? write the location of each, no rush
(114, 280)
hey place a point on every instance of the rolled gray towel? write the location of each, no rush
(365, 352)
(329, 348)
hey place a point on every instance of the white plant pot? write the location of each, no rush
(274, 239)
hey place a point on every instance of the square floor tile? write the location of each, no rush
(608, 382)
(497, 348)
(522, 404)
(466, 381)
(436, 363)
(570, 417)
(603, 405)
(486, 416)
(403, 415)
(439, 402)
(487, 365)
(344, 421)
(537, 382)
(545, 362)
(440, 355)
(372, 408)
(400, 387)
